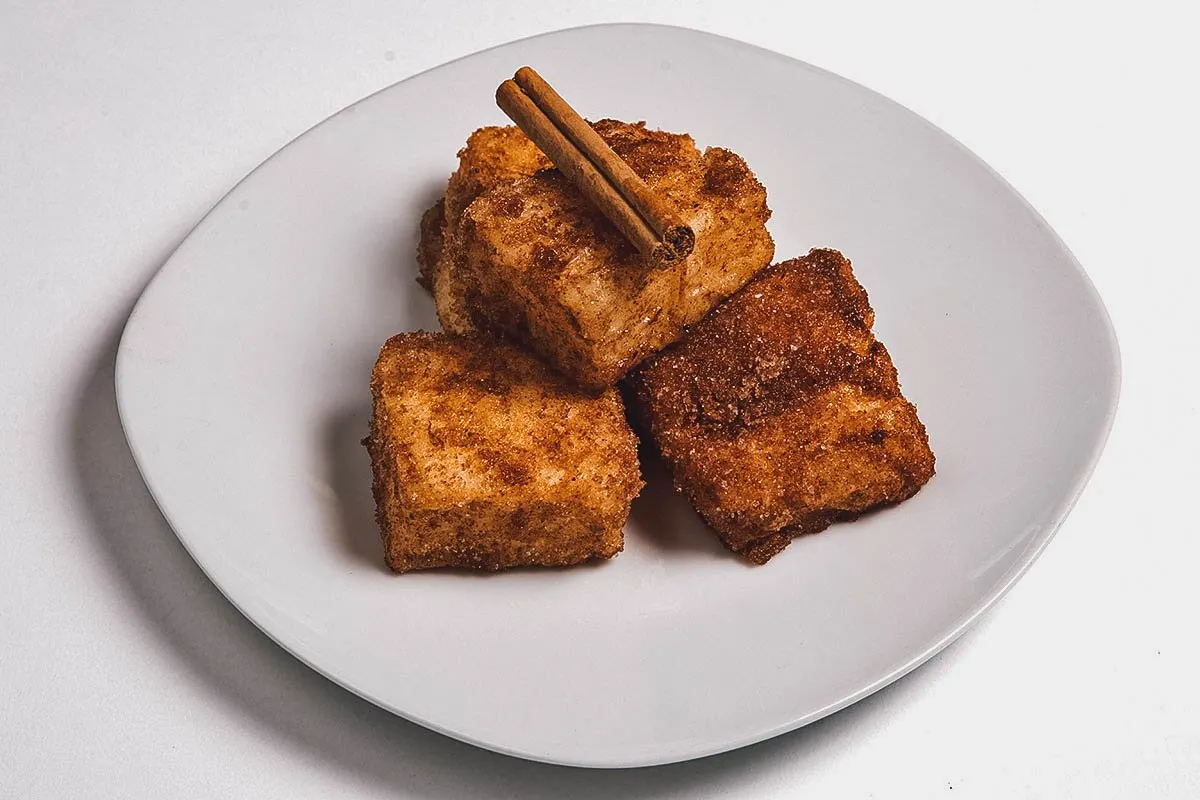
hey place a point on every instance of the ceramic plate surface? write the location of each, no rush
(243, 374)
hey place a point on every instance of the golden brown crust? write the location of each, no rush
(780, 413)
(492, 155)
(483, 457)
(531, 258)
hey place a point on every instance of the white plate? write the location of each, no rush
(242, 381)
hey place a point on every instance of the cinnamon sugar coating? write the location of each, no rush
(484, 457)
(780, 413)
(529, 257)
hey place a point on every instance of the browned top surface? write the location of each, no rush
(801, 326)
(492, 155)
(468, 418)
(780, 411)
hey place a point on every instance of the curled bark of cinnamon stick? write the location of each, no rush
(644, 218)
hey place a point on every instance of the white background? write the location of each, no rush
(123, 673)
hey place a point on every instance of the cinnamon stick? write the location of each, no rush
(645, 219)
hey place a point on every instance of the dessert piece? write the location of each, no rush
(484, 457)
(491, 156)
(531, 258)
(780, 413)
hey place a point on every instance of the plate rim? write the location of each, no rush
(1112, 383)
